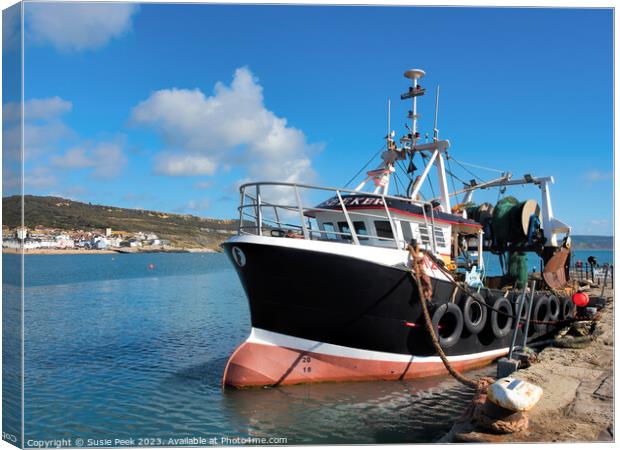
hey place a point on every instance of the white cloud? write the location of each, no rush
(11, 23)
(39, 178)
(74, 193)
(598, 226)
(43, 127)
(193, 206)
(44, 133)
(231, 127)
(44, 109)
(597, 175)
(599, 222)
(183, 165)
(106, 159)
(77, 26)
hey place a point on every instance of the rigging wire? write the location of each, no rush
(402, 167)
(468, 171)
(402, 185)
(430, 182)
(465, 183)
(364, 166)
(451, 177)
(396, 183)
(482, 167)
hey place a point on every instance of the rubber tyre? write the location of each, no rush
(451, 312)
(540, 311)
(554, 308)
(474, 313)
(524, 310)
(567, 308)
(500, 326)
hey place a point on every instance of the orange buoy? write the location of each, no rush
(151, 266)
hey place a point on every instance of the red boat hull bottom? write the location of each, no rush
(258, 362)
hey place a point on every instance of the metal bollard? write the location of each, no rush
(605, 280)
(521, 299)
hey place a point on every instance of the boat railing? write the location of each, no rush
(277, 209)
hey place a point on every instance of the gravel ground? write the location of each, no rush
(578, 385)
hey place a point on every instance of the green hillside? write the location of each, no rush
(590, 242)
(182, 230)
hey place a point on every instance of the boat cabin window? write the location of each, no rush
(406, 229)
(328, 226)
(439, 237)
(360, 229)
(424, 234)
(384, 229)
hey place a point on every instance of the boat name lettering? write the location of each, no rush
(353, 201)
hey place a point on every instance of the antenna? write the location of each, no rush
(435, 129)
(414, 75)
(388, 123)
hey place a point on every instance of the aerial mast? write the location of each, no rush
(414, 92)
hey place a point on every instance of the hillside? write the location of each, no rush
(182, 230)
(589, 242)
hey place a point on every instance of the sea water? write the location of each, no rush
(134, 347)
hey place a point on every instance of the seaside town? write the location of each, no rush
(44, 238)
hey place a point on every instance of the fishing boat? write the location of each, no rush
(328, 271)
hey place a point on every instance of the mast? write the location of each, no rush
(414, 92)
(438, 147)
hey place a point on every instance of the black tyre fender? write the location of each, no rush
(554, 307)
(525, 300)
(474, 313)
(540, 312)
(567, 308)
(447, 315)
(501, 323)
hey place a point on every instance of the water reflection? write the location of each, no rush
(360, 412)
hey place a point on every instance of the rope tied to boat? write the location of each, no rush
(418, 275)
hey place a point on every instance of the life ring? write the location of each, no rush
(501, 317)
(447, 320)
(567, 308)
(474, 313)
(554, 307)
(541, 313)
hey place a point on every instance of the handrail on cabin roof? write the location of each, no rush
(421, 203)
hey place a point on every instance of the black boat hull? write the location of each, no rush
(304, 301)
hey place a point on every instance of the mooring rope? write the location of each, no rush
(415, 273)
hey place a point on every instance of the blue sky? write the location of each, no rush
(169, 107)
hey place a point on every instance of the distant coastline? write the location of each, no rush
(60, 222)
(50, 251)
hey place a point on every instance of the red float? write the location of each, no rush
(581, 299)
